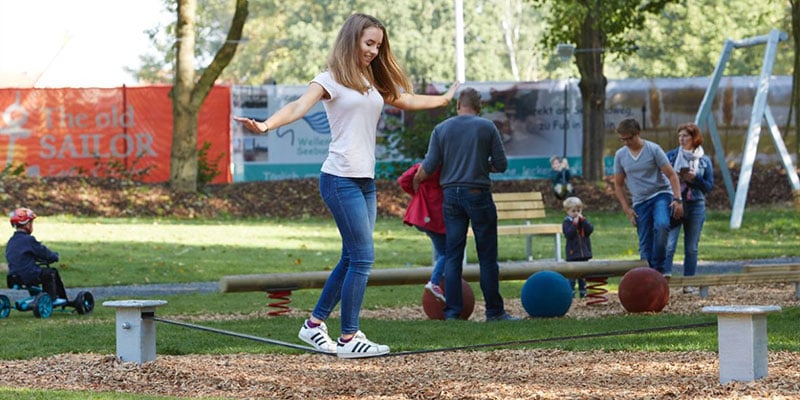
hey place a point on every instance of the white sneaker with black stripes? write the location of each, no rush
(317, 337)
(360, 347)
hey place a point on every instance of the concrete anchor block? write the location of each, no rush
(136, 336)
(742, 336)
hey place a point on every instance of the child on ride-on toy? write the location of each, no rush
(24, 254)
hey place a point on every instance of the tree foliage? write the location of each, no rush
(212, 21)
(288, 42)
(686, 39)
(597, 28)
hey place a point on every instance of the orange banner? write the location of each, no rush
(105, 132)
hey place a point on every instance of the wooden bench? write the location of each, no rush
(745, 278)
(526, 207)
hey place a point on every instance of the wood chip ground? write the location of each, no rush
(498, 374)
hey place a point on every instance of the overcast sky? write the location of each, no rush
(76, 43)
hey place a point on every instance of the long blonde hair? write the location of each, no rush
(384, 73)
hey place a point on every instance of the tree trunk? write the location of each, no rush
(183, 161)
(188, 96)
(796, 74)
(589, 58)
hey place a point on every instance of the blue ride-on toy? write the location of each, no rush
(40, 303)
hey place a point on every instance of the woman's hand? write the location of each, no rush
(253, 125)
(451, 92)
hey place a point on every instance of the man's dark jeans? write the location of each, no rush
(463, 205)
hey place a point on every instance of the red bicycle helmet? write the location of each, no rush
(22, 216)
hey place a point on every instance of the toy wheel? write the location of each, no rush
(5, 306)
(42, 305)
(84, 302)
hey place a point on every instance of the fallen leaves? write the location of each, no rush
(295, 198)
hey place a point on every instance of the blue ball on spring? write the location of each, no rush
(546, 294)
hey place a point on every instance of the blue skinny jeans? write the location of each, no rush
(694, 216)
(352, 202)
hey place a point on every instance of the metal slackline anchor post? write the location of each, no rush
(742, 336)
(136, 331)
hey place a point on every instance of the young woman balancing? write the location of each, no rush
(362, 75)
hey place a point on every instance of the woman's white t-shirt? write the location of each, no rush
(353, 118)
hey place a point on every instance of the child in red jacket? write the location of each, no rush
(425, 213)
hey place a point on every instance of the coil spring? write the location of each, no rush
(595, 290)
(282, 305)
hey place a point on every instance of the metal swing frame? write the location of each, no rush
(761, 110)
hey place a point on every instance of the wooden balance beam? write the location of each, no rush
(747, 278)
(748, 268)
(413, 276)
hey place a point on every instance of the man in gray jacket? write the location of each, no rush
(468, 148)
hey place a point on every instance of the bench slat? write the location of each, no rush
(537, 229)
(519, 214)
(519, 205)
(517, 196)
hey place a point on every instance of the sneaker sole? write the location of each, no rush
(311, 341)
(361, 350)
(360, 355)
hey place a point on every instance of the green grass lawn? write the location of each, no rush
(96, 251)
(99, 252)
